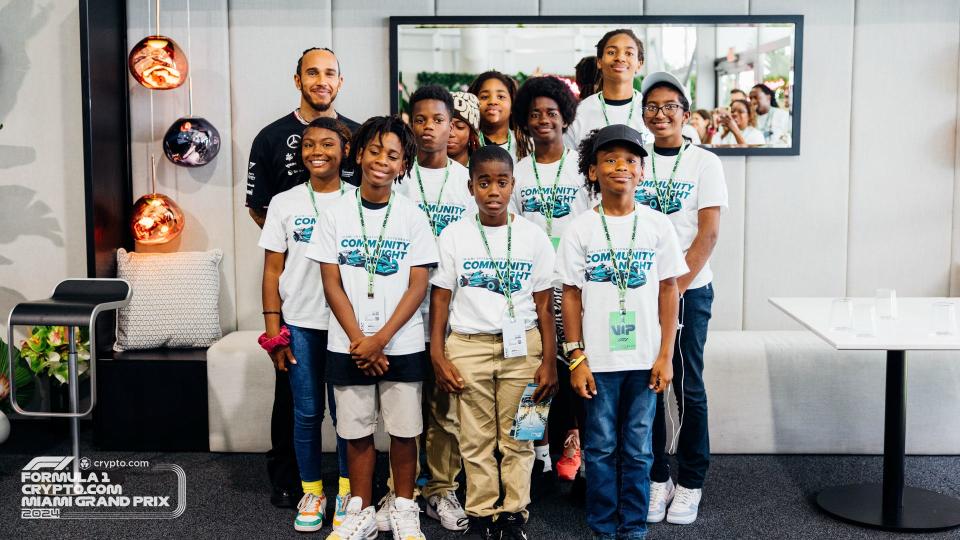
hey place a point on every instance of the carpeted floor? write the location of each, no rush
(763, 497)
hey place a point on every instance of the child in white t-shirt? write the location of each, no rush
(685, 183)
(375, 250)
(292, 292)
(619, 60)
(550, 192)
(493, 286)
(495, 92)
(618, 264)
(438, 185)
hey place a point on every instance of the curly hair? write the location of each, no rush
(588, 157)
(432, 91)
(522, 141)
(334, 125)
(587, 74)
(375, 128)
(549, 87)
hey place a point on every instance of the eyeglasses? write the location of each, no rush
(669, 109)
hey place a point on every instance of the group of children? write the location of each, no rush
(481, 254)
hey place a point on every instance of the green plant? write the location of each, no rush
(46, 350)
(22, 376)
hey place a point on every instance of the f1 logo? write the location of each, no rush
(57, 463)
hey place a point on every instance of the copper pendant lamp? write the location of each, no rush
(156, 218)
(157, 62)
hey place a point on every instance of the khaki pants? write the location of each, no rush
(488, 404)
(443, 448)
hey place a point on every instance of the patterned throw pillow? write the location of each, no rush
(174, 300)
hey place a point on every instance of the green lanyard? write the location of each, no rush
(423, 194)
(603, 107)
(504, 284)
(548, 208)
(620, 278)
(313, 198)
(370, 262)
(665, 196)
(483, 140)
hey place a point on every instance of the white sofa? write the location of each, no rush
(769, 393)
(240, 381)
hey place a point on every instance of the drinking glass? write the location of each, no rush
(865, 320)
(945, 318)
(887, 303)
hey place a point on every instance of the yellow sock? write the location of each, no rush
(344, 487)
(315, 488)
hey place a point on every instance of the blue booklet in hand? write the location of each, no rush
(530, 424)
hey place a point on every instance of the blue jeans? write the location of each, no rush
(309, 347)
(617, 438)
(693, 444)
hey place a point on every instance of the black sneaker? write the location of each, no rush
(511, 527)
(482, 528)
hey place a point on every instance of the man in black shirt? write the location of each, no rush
(275, 166)
(275, 163)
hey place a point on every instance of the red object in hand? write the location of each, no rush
(280, 340)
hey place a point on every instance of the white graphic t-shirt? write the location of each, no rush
(478, 305)
(590, 117)
(775, 126)
(407, 242)
(455, 203)
(584, 262)
(289, 228)
(528, 200)
(751, 135)
(699, 183)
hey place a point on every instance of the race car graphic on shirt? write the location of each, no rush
(488, 281)
(534, 205)
(649, 198)
(604, 272)
(303, 234)
(386, 265)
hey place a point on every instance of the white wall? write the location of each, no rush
(42, 229)
(871, 201)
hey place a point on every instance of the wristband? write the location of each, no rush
(270, 313)
(575, 362)
(270, 344)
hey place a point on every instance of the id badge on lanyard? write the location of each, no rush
(372, 314)
(514, 337)
(623, 331)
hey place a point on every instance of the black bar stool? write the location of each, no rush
(74, 302)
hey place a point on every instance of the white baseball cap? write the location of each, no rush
(663, 77)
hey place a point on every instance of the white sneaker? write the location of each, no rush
(447, 511)
(683, 511)
(383, 514)
(661, 493)
(405, 520)
(310, 512)
(359, 523)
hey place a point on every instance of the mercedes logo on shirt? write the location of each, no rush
(293, 141)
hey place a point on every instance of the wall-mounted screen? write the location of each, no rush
(714, 57)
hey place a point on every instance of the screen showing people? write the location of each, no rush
(740, 76)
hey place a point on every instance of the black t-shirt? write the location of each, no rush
(275, 164)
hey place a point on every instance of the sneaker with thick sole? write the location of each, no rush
(340, 509)
(686, 504)
(383, 513)
(310, 513)
(482, 528)
(447, 510)
(405, 520)
(569, 462)
(661, 493)
(358, 524)
(511, 527)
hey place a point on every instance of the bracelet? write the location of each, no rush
(270, 312)
(575, 362)
(270, 344)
